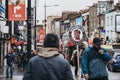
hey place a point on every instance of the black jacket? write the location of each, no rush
(48, 65)
(9, 59)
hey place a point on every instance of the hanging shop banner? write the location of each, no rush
(41, 36)
(2, 8)
(76, 34)
(16, 10)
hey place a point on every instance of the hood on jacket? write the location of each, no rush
(48, 52)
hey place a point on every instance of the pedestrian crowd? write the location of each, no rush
(18, 60)
(53, 62)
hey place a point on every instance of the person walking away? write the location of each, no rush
(9, 64)
(48, 65)
(94, 61)
(75, 56)
(74, 59)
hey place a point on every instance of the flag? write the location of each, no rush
(2, 9)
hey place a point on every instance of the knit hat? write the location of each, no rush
(97, 41)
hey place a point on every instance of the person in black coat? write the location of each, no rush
(48, 64)
(10, 63)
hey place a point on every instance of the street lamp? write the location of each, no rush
(35, 28)
(35, 25)
(29, 29)
(45, 6)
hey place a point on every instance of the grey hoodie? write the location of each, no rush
(48, 52)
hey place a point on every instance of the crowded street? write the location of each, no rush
(59, 39)
(19, 75)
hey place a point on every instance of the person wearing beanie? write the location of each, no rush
(48, 64)
(94, 61)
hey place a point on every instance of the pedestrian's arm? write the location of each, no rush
(5, 57)
(13, 58)
(27, 75)
(106, 55)
(72, 57)
(84, 62)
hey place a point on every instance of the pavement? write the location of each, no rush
(19, 75)
(79, 77)
(16, 76)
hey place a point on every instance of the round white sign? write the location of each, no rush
(76, 34)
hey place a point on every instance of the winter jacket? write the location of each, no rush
(9, 59)
(94, 63)
(48, 65)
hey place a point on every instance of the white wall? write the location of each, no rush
(110, 25)
(57, 28)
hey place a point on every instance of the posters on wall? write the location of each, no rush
(78, 21)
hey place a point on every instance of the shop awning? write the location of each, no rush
(2, 18)
(70, 43)
(21, 42)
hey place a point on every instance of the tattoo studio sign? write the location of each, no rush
(76, 34)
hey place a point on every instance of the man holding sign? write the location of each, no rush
(76, 36)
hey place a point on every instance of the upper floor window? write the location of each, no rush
(102, 22)
(94, 12)
(107, 21)
(94, 23)
(111, 20)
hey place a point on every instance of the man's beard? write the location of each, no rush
(97, 48)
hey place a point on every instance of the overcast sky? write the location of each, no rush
(70, 5)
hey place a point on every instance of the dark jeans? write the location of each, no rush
(76, 64)
(76, 69)
(9, 70)
(104, 78)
